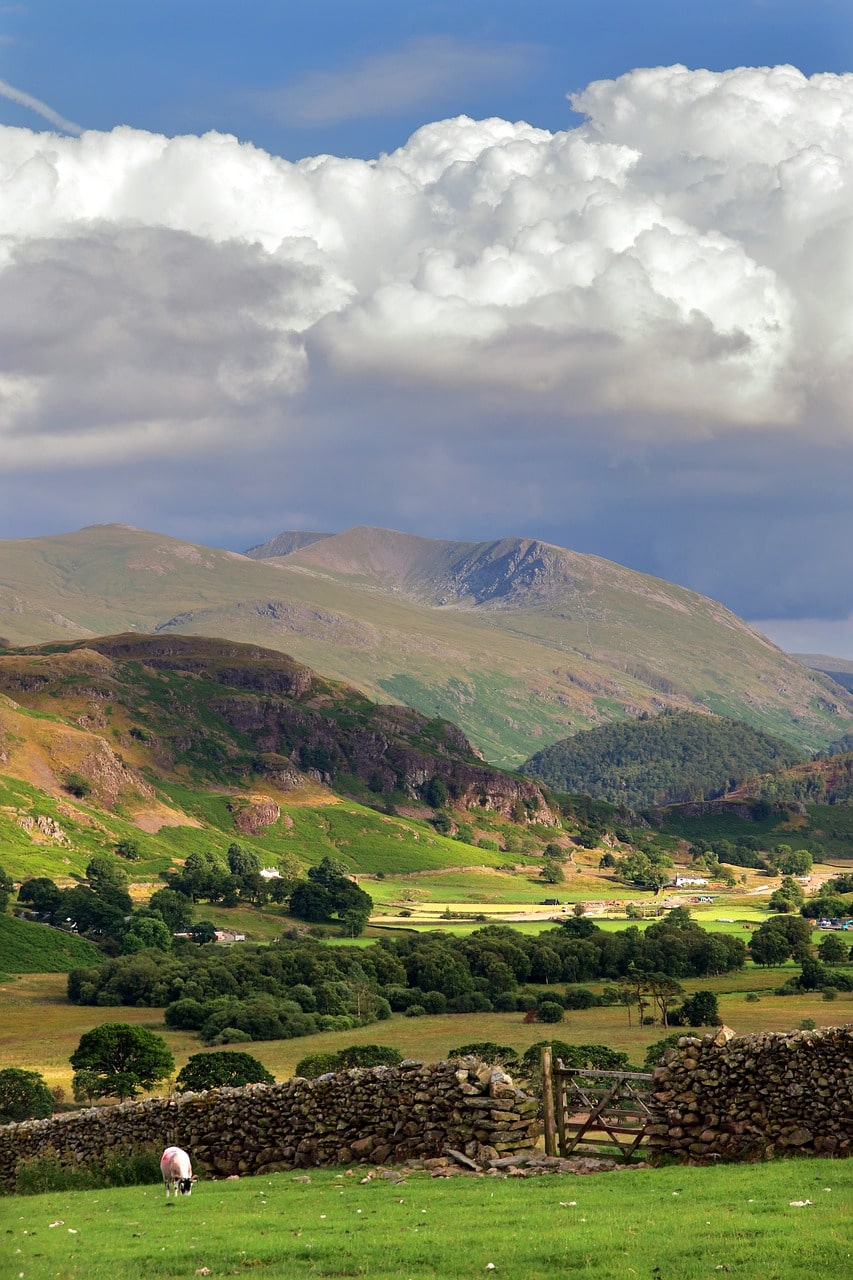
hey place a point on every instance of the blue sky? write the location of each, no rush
(295, 78)
(420, 287)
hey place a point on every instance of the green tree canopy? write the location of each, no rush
(41, 894)
(123, 1060)
(226, 1067)
(24, 1095)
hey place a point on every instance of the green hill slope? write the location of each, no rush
(196, 743)
(26, 947)
(668, 759)
(517, 641)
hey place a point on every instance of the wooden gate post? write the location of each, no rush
(548, 1103)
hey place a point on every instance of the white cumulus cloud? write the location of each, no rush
(677, 270)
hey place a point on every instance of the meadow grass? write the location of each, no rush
(686, 1223)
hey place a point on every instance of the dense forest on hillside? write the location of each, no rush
(667, 759)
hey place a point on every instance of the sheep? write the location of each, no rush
(177, 1172)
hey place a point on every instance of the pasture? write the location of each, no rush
(781, 1221)
(39, 1029)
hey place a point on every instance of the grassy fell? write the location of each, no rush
(688, 1223)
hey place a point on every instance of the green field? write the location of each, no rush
(782, 1221)
(39, 1029)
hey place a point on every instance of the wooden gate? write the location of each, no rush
(587, 1110)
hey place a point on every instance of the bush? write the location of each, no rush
(434, 1001)
(655, 1051)
(502, 1055)
(550, 1011)
(470, 1002)
(186, 1015)
(316, 1064)
(415, 1011)
(354, 1055)
(505, 1002)
(77, 785)
(752, 997)
(580, 998)
(829, 993)
(124, 1169)
(369, 1055)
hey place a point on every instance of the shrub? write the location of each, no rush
(829, 993)
(487, 1051)
(77, 785)
(505, 1002)
(123, 1169)
(655, 1051)
(434, 1001)
(580, 998)
(752, 997)
(369, 1055)
(186, 1014)
(415, 1011)
(470, 1002)
(316, 1064)
(550, 1011)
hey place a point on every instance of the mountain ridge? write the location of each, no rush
(518, 641)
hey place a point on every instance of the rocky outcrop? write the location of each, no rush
(254, 813)
(755, 1097)
(372, 1115)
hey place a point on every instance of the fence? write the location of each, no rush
(587, 1111)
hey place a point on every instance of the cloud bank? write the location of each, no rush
(634, 336)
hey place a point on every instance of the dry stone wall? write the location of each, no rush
(755, 1097)
(374, 1114)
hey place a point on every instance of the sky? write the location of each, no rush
(581, 273)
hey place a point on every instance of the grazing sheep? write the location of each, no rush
(177, 1172)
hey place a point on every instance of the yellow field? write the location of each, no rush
(39, 1030)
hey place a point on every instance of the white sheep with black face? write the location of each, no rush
(177, 1172)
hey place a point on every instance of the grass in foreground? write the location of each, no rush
(782, 1221)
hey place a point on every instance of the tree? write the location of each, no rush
(788, 897)
(108, 880)
(77, 785)
(145, 932)
(202, 932)
(6, 887)
(552, 873)
(311, 902)
(227, 1068)
(123, 1059)
(175, 908)
(435, 792)
(24, 1095)
(832, 949)
(128, 848)
(700, 1010)
(793, 862)
(663, 991)
(41, 894)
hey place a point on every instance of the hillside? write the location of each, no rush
(519, 642)
(177, 736)
(667, 759)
